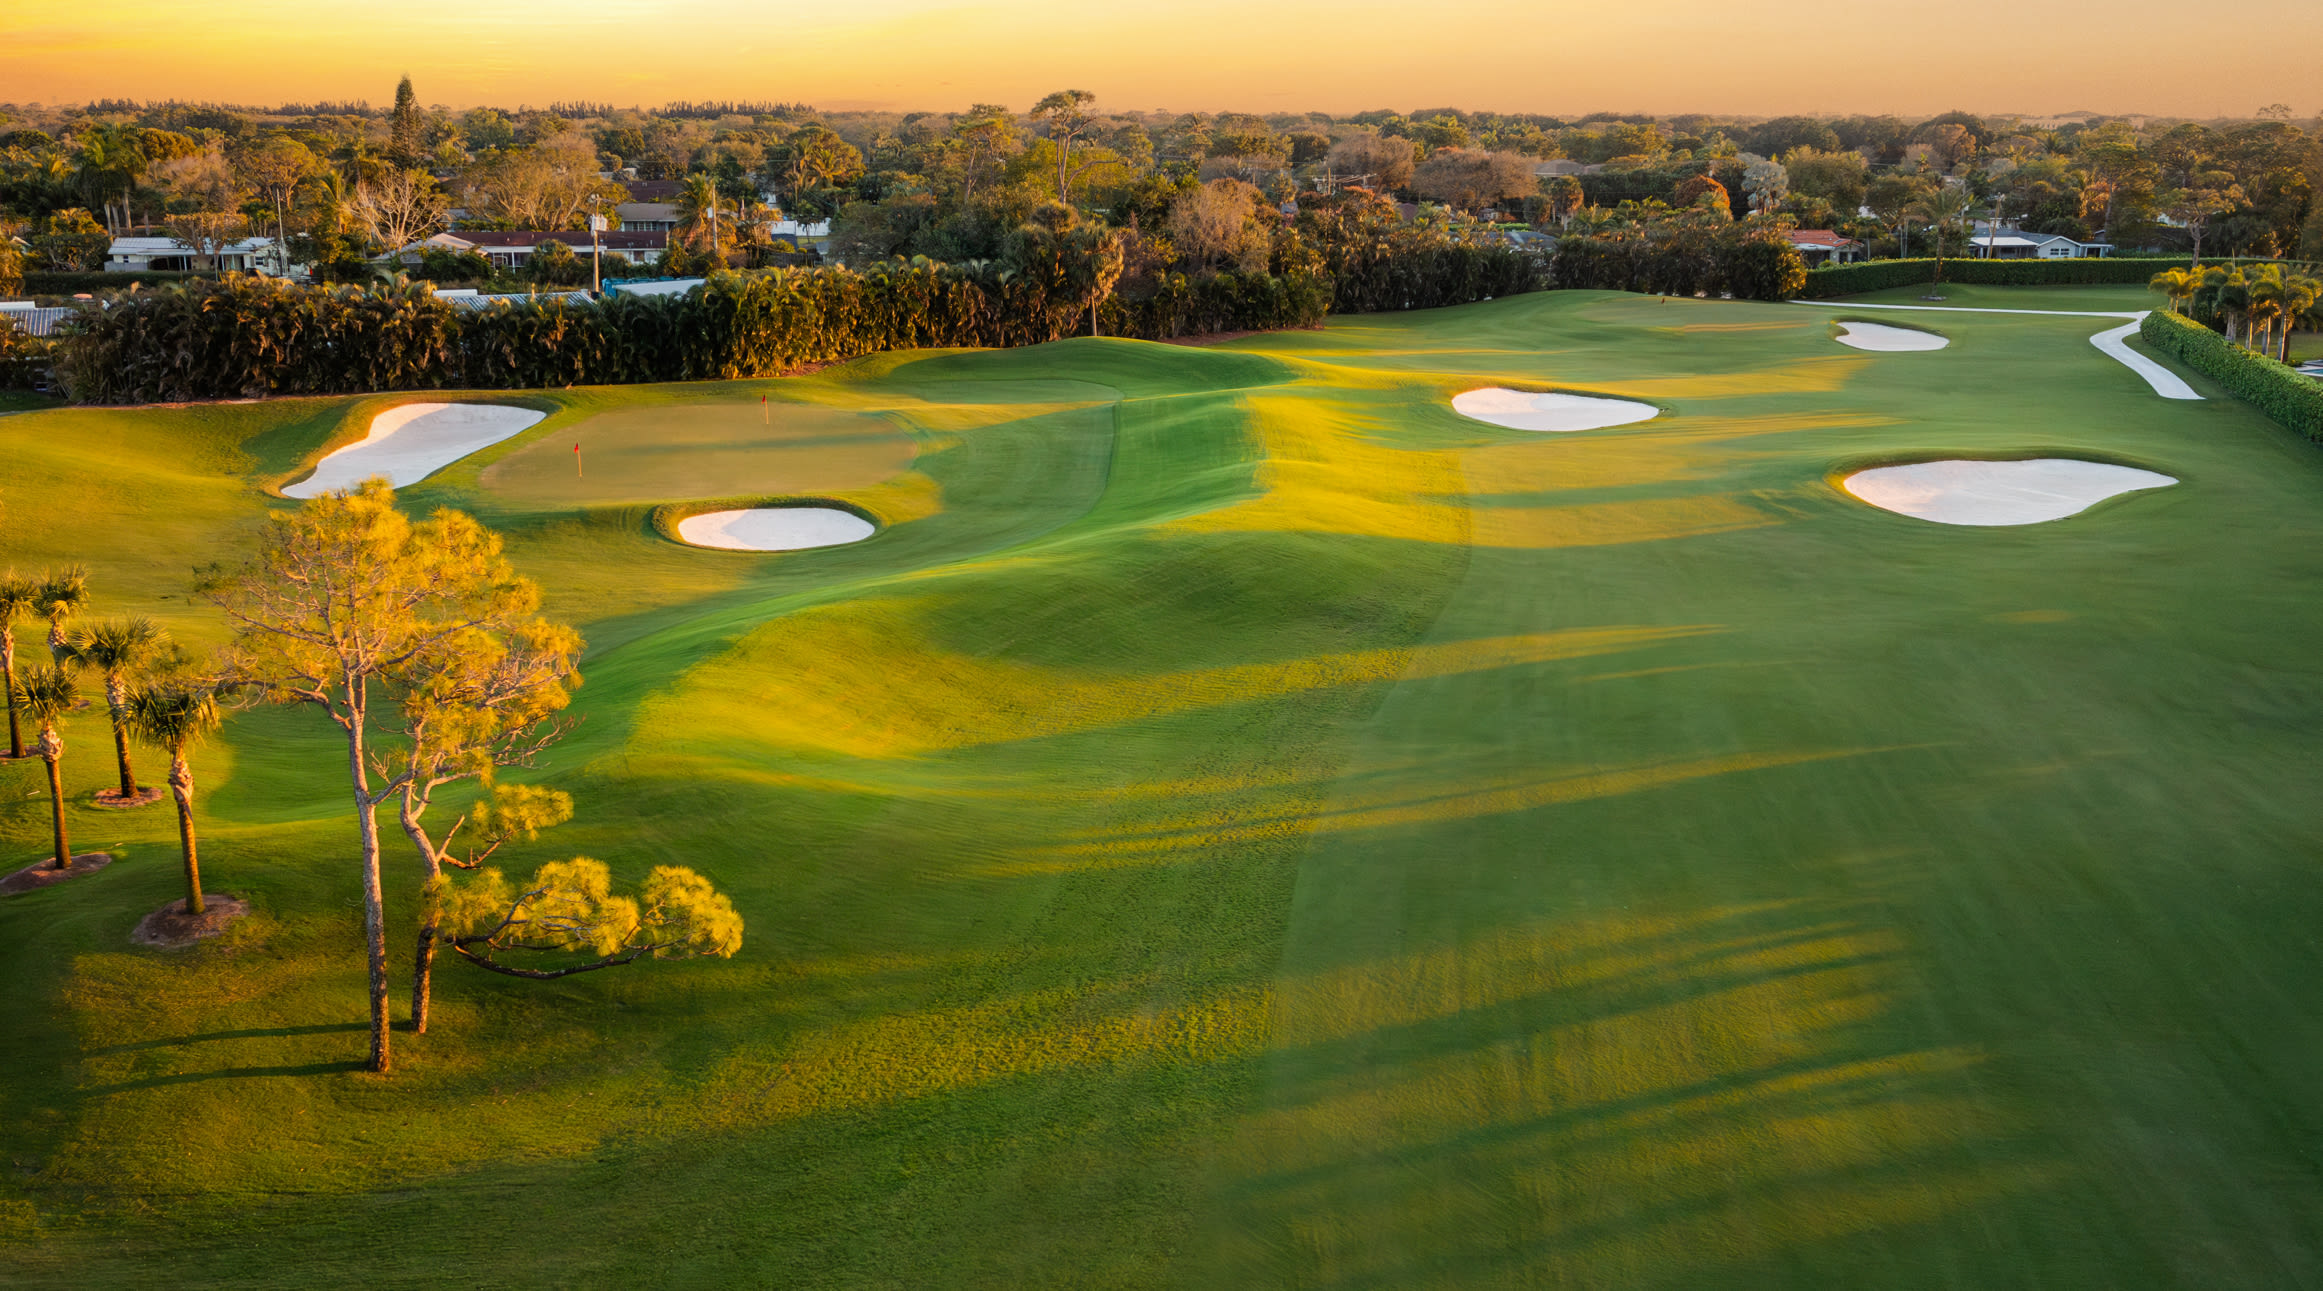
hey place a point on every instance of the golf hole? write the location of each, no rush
(775, 528)
(1531, 410)
(1998, 493)
(411, 442)
(1878, 336)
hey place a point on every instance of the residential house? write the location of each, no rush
(2016, 244)
(512, 248)
(259, 255)
(1820, 247)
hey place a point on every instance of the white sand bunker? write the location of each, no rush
(775, 528)
(409, 443)
(1875, 336)
(1998, 493)
(1529, 410)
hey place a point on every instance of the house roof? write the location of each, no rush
(653, 190)
(1819, 238)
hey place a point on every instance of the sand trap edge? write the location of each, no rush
(1841, 325)
(1835, 478)
(445, 399)
(666, 518)
(1504, 419)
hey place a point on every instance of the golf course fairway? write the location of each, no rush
(1243, 824)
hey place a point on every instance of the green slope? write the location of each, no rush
(1242, 824)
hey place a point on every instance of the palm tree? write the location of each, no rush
(118, 649)
(697, 214)
(2268, 302)
(45, 695)
(2177, 284)
(1942, 208)
(63, 593)
(175, 715)
(2229, 294)
(19, 599)
(2303, 295)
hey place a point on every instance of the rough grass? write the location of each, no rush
(1259, 828)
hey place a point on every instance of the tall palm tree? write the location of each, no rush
(2229, 295)
(19, 599)
(175, 715)
(1942, 208)
(697, 214)
(63, 593)
(2268, 303)
(2304, 296)
(118, 649)
(45, 695)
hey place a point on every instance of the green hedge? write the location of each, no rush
(69, 284)
(1880, 275)
(2278, 391)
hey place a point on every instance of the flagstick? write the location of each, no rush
(765, 415)
(577, 463)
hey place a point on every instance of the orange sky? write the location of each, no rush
(1336, 56)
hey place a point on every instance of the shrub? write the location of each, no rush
(24, 359)
(2294, 401)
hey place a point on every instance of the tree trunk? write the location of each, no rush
(8, 679)
(181, 784)
(51, 749)
(117, 700)
(423, 962)
(374, 900)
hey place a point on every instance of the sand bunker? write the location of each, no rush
(409, 443)
(775, 528)
(1875, 336)
(1529, 410)
(1998, 493)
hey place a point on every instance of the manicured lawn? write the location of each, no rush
(1242, 824)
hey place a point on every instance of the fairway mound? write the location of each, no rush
(1533, 410)
(42, 873)
(1891, 340)
(775, 528)
(111, 799)
(1973, 492)
(171, 927)
(409, 443)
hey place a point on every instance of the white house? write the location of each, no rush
(510, 249)
(1822, 246)
(258, 255)
(2016, 244)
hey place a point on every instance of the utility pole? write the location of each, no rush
(596, 251)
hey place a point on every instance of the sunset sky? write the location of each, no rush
(1335, 56)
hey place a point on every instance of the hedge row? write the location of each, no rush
(1179, 305)
(61, 283)
(1879, 275)
(2274, 389)
(1745, 262)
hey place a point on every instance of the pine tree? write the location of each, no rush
(403, 141)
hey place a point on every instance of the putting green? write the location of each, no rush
(1266, 829)
(699, 450)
